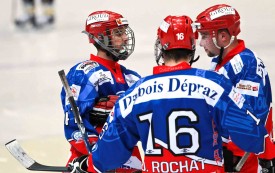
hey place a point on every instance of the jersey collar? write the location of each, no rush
(238, 49)
(164, 69)
(112, 66)
(105, 62)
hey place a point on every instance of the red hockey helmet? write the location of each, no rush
(175, 32)
(217, 17)
(101, 26)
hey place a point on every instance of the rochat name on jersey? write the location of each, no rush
(176, 166)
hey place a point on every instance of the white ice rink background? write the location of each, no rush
(30, 108)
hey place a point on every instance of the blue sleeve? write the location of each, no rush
(240, 121)
(84, 95)
(252, 81)
(116, 142)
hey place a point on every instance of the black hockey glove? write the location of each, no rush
(101, 110)
(228, 160)
(79, 165)
(268, 166)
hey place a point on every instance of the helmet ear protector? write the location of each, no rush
(103, 27)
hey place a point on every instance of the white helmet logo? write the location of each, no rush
(222, 12)
(97, 18)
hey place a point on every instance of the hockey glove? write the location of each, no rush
(101, 110)
(268, 166)
(228, 160)
(79, 165)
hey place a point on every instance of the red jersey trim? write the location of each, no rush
(238, 49)
(164, 69)
(112, 66)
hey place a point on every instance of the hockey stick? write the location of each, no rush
(17, 152)
(75, 109)
(242, 161)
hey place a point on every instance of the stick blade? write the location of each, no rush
(17, 152)
(39, 167)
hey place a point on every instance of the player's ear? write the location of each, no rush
(224, 36)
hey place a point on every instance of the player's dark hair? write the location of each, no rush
(224, 30)
(97, 46)
(178, 54)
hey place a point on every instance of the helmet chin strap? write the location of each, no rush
(193, 59)
(221, 48)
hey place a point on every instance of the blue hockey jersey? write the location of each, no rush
(90, 80)
(179, 115)
(248, 74)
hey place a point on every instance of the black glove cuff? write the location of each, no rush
(266, 163)
(79, 165)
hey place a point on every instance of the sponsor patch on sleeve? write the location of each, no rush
(77, 135)
(236, 97)
(87, 66)
(248, 88)
(75, 91)
(237, 64)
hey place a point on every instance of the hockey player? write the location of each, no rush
(179, 113)
(96, 83)
(29, 16)
(219, 27)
